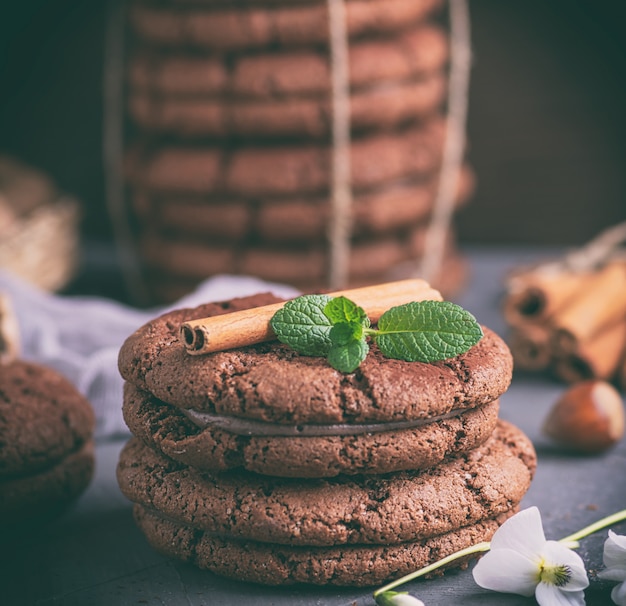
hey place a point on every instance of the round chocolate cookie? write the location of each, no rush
(43, 418)
(37, 497)
(46, 453)
(375, 108)
(271, 76)
(168, 287)
(358, 565)
(194, 257)
(380, 510)
(208, 27)
(167, 429)
(289, 170)
(392, 207)
(271, 382)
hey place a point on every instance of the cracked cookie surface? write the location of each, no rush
(482, 484)
(166, 429)
(271, 382)
(268, 564)
(43, 418)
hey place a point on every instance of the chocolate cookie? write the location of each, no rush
(391, 207)
(378, 510)
(270, 382)
(168, 287)
(208, 27)
(352, 565)
(43, 418)
(210, 447)
(192, 257)
(46, 454)
(38, 496)
(374, 108)
(272, 76)
(286, 169)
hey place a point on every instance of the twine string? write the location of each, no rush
(609, 245)
(454, 144)
(113, 152)
(339, 227)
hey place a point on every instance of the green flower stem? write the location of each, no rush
(599, 525)
(570, 541)
(478, 548)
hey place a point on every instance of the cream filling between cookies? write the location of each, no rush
(245, 427)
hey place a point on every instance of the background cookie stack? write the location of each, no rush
(267, 466)
(229, 155)
(46, 438)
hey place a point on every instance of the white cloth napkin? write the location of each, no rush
(81, 336)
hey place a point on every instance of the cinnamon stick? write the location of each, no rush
(537, 294)
(530, 346)
(250, 326)
(9, 333)
(600, 303)
(597, 358)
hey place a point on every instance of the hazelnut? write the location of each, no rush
(588, 417)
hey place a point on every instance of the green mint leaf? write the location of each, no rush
(344, 332)
(426, 331)
(302, 325)
(347, 357)
(341, 309)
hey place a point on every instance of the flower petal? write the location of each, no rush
(522, 533)
(556, 553)
(615, 550)
(550, 595)
(507, 571)
(615, 573)
(395, 598)
(401, 599)
(618, 595)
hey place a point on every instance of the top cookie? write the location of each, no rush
(271, 382)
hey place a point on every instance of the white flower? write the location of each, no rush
(614, 557)
(393, 598)
(521, 561)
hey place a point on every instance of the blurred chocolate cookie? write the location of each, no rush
(211, 26)
(46, 429)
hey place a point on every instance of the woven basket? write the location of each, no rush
(39, 236)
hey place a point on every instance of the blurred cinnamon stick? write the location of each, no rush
(570, 313)
(531, 346)
(535, 296)
(597, 358)
(600, 303)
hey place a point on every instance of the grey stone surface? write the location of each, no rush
(95, 556)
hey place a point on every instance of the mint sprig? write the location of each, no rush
(338, 329)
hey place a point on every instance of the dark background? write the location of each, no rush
(547, 121)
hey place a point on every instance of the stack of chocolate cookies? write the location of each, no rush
(47, 458)
(46, 437)
(229, 163)
(268, 466)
